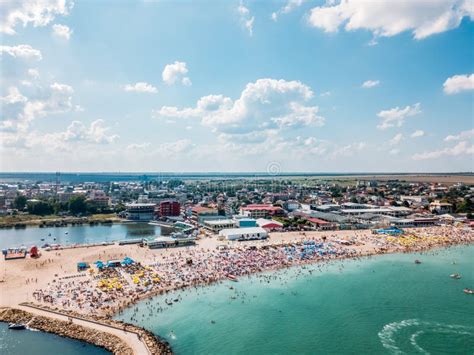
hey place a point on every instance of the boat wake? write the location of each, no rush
(397, 335)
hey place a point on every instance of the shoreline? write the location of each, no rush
(71, 291)
(16, 222)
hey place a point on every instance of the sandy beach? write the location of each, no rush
(53, 279)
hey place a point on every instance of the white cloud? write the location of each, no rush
(23, 51)
(289, 6)
(245, 17)
(140, 87)
(388, 18)
(96, 133)
(458, 83)
(394, 151)
(462, 148)
(417, 133)
(263, 105)
(395, 117)
(396, 139)
(139, 146)
(62, 31)
(325, 94)
(37, 12)
(57, 98)
(173, 148)
(370, 84)
(174, 72)
(14, 96)
(462, 135)
(34, 73)
(349, 149)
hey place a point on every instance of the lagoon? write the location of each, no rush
(79, 234)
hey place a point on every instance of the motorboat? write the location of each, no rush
(455, 276)
(16, 326)
(469, 291)
(417, 261)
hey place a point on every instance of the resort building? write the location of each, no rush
(261, 211)
(243, 233)
(140, 211)
(200, 214)
(169, 208)
(218, 224)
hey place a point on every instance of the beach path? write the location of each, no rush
(131, 338)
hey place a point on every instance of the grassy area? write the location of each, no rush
(28, 219)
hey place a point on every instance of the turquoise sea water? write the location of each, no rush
(381, 305)
(84, 234)
(26, 342)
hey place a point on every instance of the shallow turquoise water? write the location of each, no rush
(25, 342)
(84, 234)
(380, 305)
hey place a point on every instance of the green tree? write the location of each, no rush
(19, 202)
(39, 208)
(77, 204)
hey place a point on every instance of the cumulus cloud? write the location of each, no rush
(96, 133)
(458, 83)
(396, 139)
(22, 51)
(139, 146)
(395, 117)
(263, 105)
(461, 148)
(34, 73)
(389, 18)
(62, 31)
(14, 96)
(370, 84)
(289, 6)
(141, 87)
(39, 13)
(417, 133)
(19, 110)
(394, 151)
(176, 72)
(349, 149)
(245, 18)
(462, 135)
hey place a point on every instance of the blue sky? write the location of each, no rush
(308, 86)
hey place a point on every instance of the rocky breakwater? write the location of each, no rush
(107, 341)
(155, 344)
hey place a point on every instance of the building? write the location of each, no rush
(140, 211)
(99, 199)
(393, 211)
(321, 224)
(269, 224)
(440, 207)
(169, 208)
(200, 214)
(243, 233)
(217, 225)
(246, 222)
(261, 211)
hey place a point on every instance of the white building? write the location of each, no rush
(250, 233)
(219, 224)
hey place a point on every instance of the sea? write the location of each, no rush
(26, 342)
(85, 234)
(377, 305)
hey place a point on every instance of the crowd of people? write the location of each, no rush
(109, 290)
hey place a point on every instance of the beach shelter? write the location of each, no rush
(99, 264)
(81, 266)
(127, 261)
